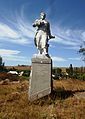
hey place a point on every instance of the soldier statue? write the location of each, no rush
(43, 34)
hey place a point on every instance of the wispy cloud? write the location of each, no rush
(25, 27)
(6, 31)
(58, 59)
(75, 59)
(83, 35)
(18, 32)
(16, 58)
(12, 55)
(6, 52)
(20, 36)
(62, 40)
(72, 48)
(68, 37)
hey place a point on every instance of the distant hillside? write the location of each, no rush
(22, 67)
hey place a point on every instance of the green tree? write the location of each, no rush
(59, 71)
(82, 51)
(1, 61)
(70, 71)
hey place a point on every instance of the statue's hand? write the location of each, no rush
(51, 36)
(36, 23)
(33, 25)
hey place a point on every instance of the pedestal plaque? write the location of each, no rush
(41, 78)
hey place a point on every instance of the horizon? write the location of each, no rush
(17, 34)
(52, 66)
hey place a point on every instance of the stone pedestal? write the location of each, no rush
(40, 83)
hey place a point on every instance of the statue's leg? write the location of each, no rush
(38, 42)
(39, 51)
(44, 51)
(44, 38)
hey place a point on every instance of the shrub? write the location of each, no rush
(11, 77)
(26, 73)
(82, 77)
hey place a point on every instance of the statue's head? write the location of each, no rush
(42, 15)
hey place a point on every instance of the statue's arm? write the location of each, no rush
(36, 23)
(49, 32)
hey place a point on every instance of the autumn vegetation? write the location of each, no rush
(63, 103)
(67, 100)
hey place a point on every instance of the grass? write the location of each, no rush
(61, 104)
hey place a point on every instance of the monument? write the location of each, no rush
(40, 83)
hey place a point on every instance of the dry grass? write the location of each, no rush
(62, 104)
(19, 67)
(73, 85)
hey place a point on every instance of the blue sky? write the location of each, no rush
(67, 18)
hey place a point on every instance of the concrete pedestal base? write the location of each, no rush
(40, 78)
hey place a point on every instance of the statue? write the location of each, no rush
(43, 34)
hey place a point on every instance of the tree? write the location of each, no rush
(1, 61)
(82, 51)
(59, 71)
(2, 67)
(70, 71)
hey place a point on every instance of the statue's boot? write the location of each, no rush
(44, 51)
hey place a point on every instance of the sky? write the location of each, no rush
(67, 20)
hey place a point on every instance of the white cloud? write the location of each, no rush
(25, 28)
(83, 35)
(12, 55)
(15, 58)
(22, 41)
(76, 59)
(6, 31)
(58, 59)
(62, 40)
(68, 37)
(20, 32)
(72, 48)
(6, 52)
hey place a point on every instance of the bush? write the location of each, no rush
(3, 69)
(82, 77)
(11, 77)
(26, 73)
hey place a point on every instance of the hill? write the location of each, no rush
(22, 67)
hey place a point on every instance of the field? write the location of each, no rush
(66, 102)
(19, 67)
